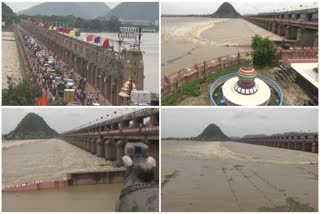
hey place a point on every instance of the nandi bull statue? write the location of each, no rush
(140, 192)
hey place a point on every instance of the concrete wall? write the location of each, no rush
(107, 177)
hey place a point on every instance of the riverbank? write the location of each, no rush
(196, 91)
(190, 40)
(230, 176)
(10, 59)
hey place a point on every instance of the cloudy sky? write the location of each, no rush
(60, 119)
(237, 122)
(242, 6)
(17, 6)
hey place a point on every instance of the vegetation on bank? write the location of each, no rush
(264, 51)
(22, 93)
(192, 88)
(86, 25)
(8, 16)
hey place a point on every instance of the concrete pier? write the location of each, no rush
(107, 139)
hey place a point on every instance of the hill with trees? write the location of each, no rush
(85, 10)
(226, 10)
(212, 133)
(32, 126)
(143, 11)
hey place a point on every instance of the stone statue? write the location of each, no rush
(140, 192)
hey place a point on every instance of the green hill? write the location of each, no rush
(226, 10)
(212, 133)
(138, 11)
(8, 16)
(32, 126)
(85, 10)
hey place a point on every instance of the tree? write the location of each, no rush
(114, 24)
(264, 51)
(22, 93)
(8, 16)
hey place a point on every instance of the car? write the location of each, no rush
(65, 77)
(74, 103)
(58, 78)
(69, 83)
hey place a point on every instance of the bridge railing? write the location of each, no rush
(150, 129)
(146, 112)
(287, 21)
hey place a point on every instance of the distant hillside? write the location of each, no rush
(212, 133)
(32, 126)
(85, 10)
(145, 11)
(8, 16)
(226, 10)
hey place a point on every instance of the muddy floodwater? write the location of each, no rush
(189, 40)
(48, 160)
(45, 160)
(230, 176)
(10, 60)
(85, 198)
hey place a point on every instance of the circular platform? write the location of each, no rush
(246, 98)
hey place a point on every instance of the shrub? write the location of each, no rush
(263, 51)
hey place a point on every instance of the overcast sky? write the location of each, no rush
(18, 6)
(237, 122)
(60, 119)
(242, 6)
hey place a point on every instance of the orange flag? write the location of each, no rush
(89, 38)
(42, 101)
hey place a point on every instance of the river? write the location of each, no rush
(48, 160)
(10, 60)
(230, 176)
(186, 41)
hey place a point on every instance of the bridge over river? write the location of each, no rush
(307, 142)
(106, 69)
(107, 139)
(298, 25)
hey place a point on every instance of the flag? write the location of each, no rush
(43, 100)
(89, 38)
(57, 28)
(97, 39)
(67, 31)
(72, 32)
(50, 27)
(106, 43)
(78, 33)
